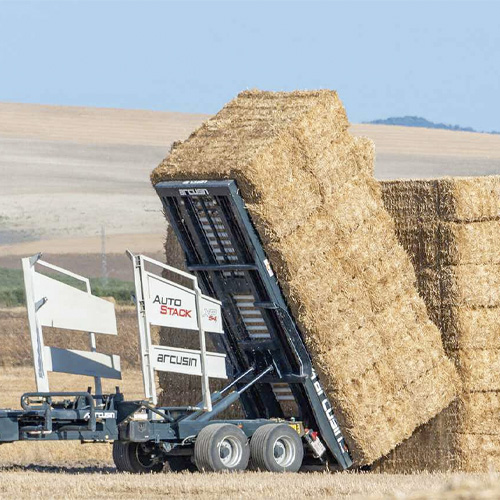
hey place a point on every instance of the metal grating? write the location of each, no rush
(252, 317)
(283, 392)
(257, 329)
(207, 210)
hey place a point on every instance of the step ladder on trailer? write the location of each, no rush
(223, 250)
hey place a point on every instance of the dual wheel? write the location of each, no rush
(219, 447)
(224, 447)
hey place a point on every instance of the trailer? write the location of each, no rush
(228, 293)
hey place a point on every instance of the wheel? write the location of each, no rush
(276, 448)
(221, 447)
(179, 463)
(137, 458)
(120, 456)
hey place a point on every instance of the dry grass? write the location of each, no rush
(348, 283)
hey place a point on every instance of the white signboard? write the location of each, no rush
(70, 308)
(93, 364)
(187, 361)
(172, 305)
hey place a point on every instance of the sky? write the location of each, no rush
(439, 60)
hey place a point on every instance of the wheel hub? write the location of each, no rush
(284, 451)
(230, 452)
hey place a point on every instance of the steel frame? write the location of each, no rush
(205, 216)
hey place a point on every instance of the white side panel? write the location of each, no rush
(187, 361)
(72, 309)
(36, 334)
(93, 364)
(172, 305)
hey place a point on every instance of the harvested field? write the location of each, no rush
(449, 228)
(28, 468)
(347, 281)
(251, 485)
(50, 142)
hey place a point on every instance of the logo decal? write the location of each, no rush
(193, 192)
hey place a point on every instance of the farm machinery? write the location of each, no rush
(229, 294)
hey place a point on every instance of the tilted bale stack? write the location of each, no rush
(308, 186)
(451, 230)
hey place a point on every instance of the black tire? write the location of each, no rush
(120, 456)
(137, 458)
(221, 447)
(179, 463)
(276, 448)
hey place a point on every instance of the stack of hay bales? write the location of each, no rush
(451, 230)
(308, 186)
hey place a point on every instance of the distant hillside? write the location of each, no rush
(418, 121)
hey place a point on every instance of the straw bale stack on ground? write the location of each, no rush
(451, 230)
(309, 189)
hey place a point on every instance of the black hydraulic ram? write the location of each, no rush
(223, 249)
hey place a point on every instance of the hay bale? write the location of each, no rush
(415, 199)
(471, 328)
(309, 189)
(450, 227)
(470, 243)
(465, 436)
(469, 199)
(471, 285)
(460, 199)
(431, 448)
(479, 368)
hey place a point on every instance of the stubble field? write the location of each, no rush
(59, 470)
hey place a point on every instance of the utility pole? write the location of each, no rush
(104, 262)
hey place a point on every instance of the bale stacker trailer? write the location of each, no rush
(229, 293)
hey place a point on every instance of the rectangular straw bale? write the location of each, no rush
(258, 130)
(411, 199)
(460, 199)
(309, 189)
(449, 440)
(465, 328)
(479, 413)
(420, 240)
(382, 411)
(432, 447)
(457, 265)
(478, 452)
(469, 199)
(471, 285)
(434, 243)
(478, 368)
(429, 287)
(469, 243)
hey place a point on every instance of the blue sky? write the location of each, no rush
(440, 59)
